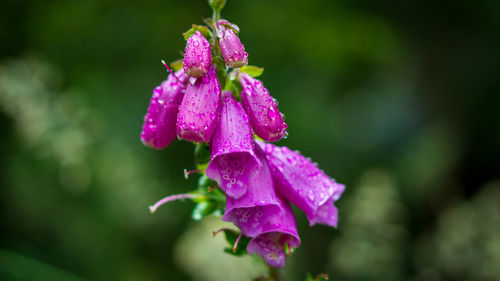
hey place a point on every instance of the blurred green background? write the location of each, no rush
(397, 99)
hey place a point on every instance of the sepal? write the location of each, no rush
(203, 29)
(253, 71)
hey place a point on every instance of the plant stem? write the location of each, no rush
(276, 274)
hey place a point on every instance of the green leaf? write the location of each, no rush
(201, 28)
(251, 70)
(201, 153)
(176, 65)
(204, 183)
(204, 209)
(209, 22)
(231, 237)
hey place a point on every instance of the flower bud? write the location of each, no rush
(197, 55)
(158, 130)
(267, 122)
(217, 4)
(200, 108)
(232, 148)
(232, 50)
(303, 183)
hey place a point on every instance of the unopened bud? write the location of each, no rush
(197, 57)
(232, 50)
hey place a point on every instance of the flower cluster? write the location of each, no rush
(259, 179)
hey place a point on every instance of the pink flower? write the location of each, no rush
(303, 184)
(199, 110)
(267, 122)
(278, 233)
(251, 211)
(232, 50)
(159, 130)
(232, 149)
(263, 214)
(197, 56)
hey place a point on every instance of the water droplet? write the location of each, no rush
(271, 113)
(310, 195)
(269, 149)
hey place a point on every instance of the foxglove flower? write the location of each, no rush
(199, 110)
(251, 211)
(232, 149)
(303, 184)
(267, 122)
(279, 232)
(159, 130)
(197, 56)
(232, 50)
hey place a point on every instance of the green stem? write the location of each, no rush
(216, 18)
(276, 274)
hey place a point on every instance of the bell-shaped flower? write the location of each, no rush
(197, 55)
(251, 211)
(303, 183)
(278, 234)
(200, 107)
(267, 122)
(232, 149)
(159, 130)
(230, 45)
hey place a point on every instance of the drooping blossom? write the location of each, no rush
(200, 107)
(159, 128)
(232, 149)
(251, 211)
(303, 183)
(261, 213)
(197, 55)
(232, 50)
(267, 122)
(259, 180)
(279, 232)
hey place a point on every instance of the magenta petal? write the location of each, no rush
(233, 158)
(279, 230)
(252, 210)
(303, 184)
(199, 110)
(232, 50)
(267, 122)
(159, 130)
(197, 55)
(325, 214)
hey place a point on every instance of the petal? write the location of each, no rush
(159, 130)
(325, 214)
(199, 110)
(267, 122)
(232, 147)
(303, 183)
(251, 211)
(279, 230)
(265, 246)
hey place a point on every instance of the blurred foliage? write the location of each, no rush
(374, 238)
(396, 99)
(466, 243)
(201, 253)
